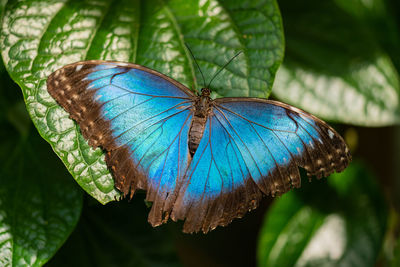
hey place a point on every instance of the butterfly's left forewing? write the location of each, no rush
(139, 116)
(251, 146)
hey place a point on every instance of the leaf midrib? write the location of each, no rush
(178, 31)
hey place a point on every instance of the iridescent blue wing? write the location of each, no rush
(250, 147)
(139, 116)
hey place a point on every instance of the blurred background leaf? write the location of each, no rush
(39, 203)
(340, 222)
(118, 235)
(41, 36)
(336, 65)
(396, 257)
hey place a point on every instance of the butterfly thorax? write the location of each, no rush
(201, 111)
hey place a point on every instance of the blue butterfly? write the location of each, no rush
(202, 160)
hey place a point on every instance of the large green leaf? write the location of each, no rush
(41, 36)
(39, 206)
(336, 222)
(335, 66)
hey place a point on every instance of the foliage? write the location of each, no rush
(39, 206)
(341, 63)
(300, 230)
(126, 238)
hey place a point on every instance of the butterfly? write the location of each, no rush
(205, 161)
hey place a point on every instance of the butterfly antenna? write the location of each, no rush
(195, 61)
(226, 64)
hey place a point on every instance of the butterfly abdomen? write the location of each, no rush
(196, 133)
(201, 112)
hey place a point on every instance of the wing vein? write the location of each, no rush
(228, 121)
(159, 96)
(230, 141)
(240, 116)
(130, 140)
(143, 121)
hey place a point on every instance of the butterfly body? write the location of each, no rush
(202, 160)
(202, 109)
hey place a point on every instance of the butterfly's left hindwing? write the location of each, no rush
(140, 117)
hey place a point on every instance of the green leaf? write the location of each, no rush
(126, 238)
(335, 67)
(396, 257)
(39, 204)
(41, 36)
(336, 222)
(2, 5)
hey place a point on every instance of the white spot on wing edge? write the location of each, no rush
(78, 67)
(331, 134)
(311, 144)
